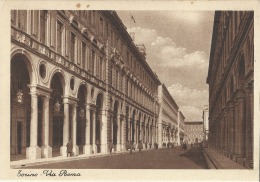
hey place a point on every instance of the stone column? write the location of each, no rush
(46, 149)
(231, 126)
(118, 133)
(123, 141)
(86, 149)
(249, 125)
(33, 152)
(75, 148)
(94, 147)
(63, 149)
(104, 135)
(241, 127)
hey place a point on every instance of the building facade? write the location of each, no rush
(168, 118)
(231, 83)
(78, 75)
(181, 124)
(193, 132)
(205, 117)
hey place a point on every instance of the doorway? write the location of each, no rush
(19, 137)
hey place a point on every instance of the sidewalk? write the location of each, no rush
(217, 161)
(28, 162)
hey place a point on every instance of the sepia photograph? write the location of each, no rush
(130, 89)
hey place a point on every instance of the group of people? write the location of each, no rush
(129, 146)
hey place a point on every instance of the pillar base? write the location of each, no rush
(46, 152)
(63, 151)
(33, 152)
(87, 149)
(123, 147)
(93, 149)
(104, 148)
(249, 164)
(240, 160)
(75, 150)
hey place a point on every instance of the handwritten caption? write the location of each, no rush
(48, 173)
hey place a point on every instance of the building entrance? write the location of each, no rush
(19, 137)
(57, 131)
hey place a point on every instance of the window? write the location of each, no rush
(111, 75)
(117, 77)
(72, 46)
(111, 38)
(121, 82)
(101, 27)
(100, 67)
(35, 23)
(59, 37)
(43, 20)
(83, 58)
(22, 18)
(13, 17)
(93, 57)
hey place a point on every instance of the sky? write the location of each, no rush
(177, 49)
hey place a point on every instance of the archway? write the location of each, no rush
(99, 104)
(115, 125)
(20, 100)
(139, 128)
(81, 118)
(133, 127)
(144, 130)
(56, 114)
(127, 124)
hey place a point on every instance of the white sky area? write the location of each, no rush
(177, 47)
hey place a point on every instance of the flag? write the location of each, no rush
(133, 18)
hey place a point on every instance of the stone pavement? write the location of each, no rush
(164, 158)
(28, 162)
(217, 161)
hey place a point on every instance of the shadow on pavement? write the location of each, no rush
(195, 154)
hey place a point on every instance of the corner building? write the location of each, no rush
(78, 75)
(231, 85)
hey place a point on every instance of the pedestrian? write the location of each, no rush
(185, 146)
(150, 144)
(111, 146)
(145, 145)
(98, 146)
(131, 147)
(140, 146)
(69, 148)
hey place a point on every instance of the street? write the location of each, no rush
(164, 158)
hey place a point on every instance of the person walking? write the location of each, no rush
(111, 146)
(69, 148)
(131, 147)
(98, 146)
(127, 145)
(140, 146)
(150, 144)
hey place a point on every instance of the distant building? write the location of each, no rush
(231, 86)
(181, 132)
(193, 131)
(168, 125)
(205, 117)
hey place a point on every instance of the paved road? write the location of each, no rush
(149, 159)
